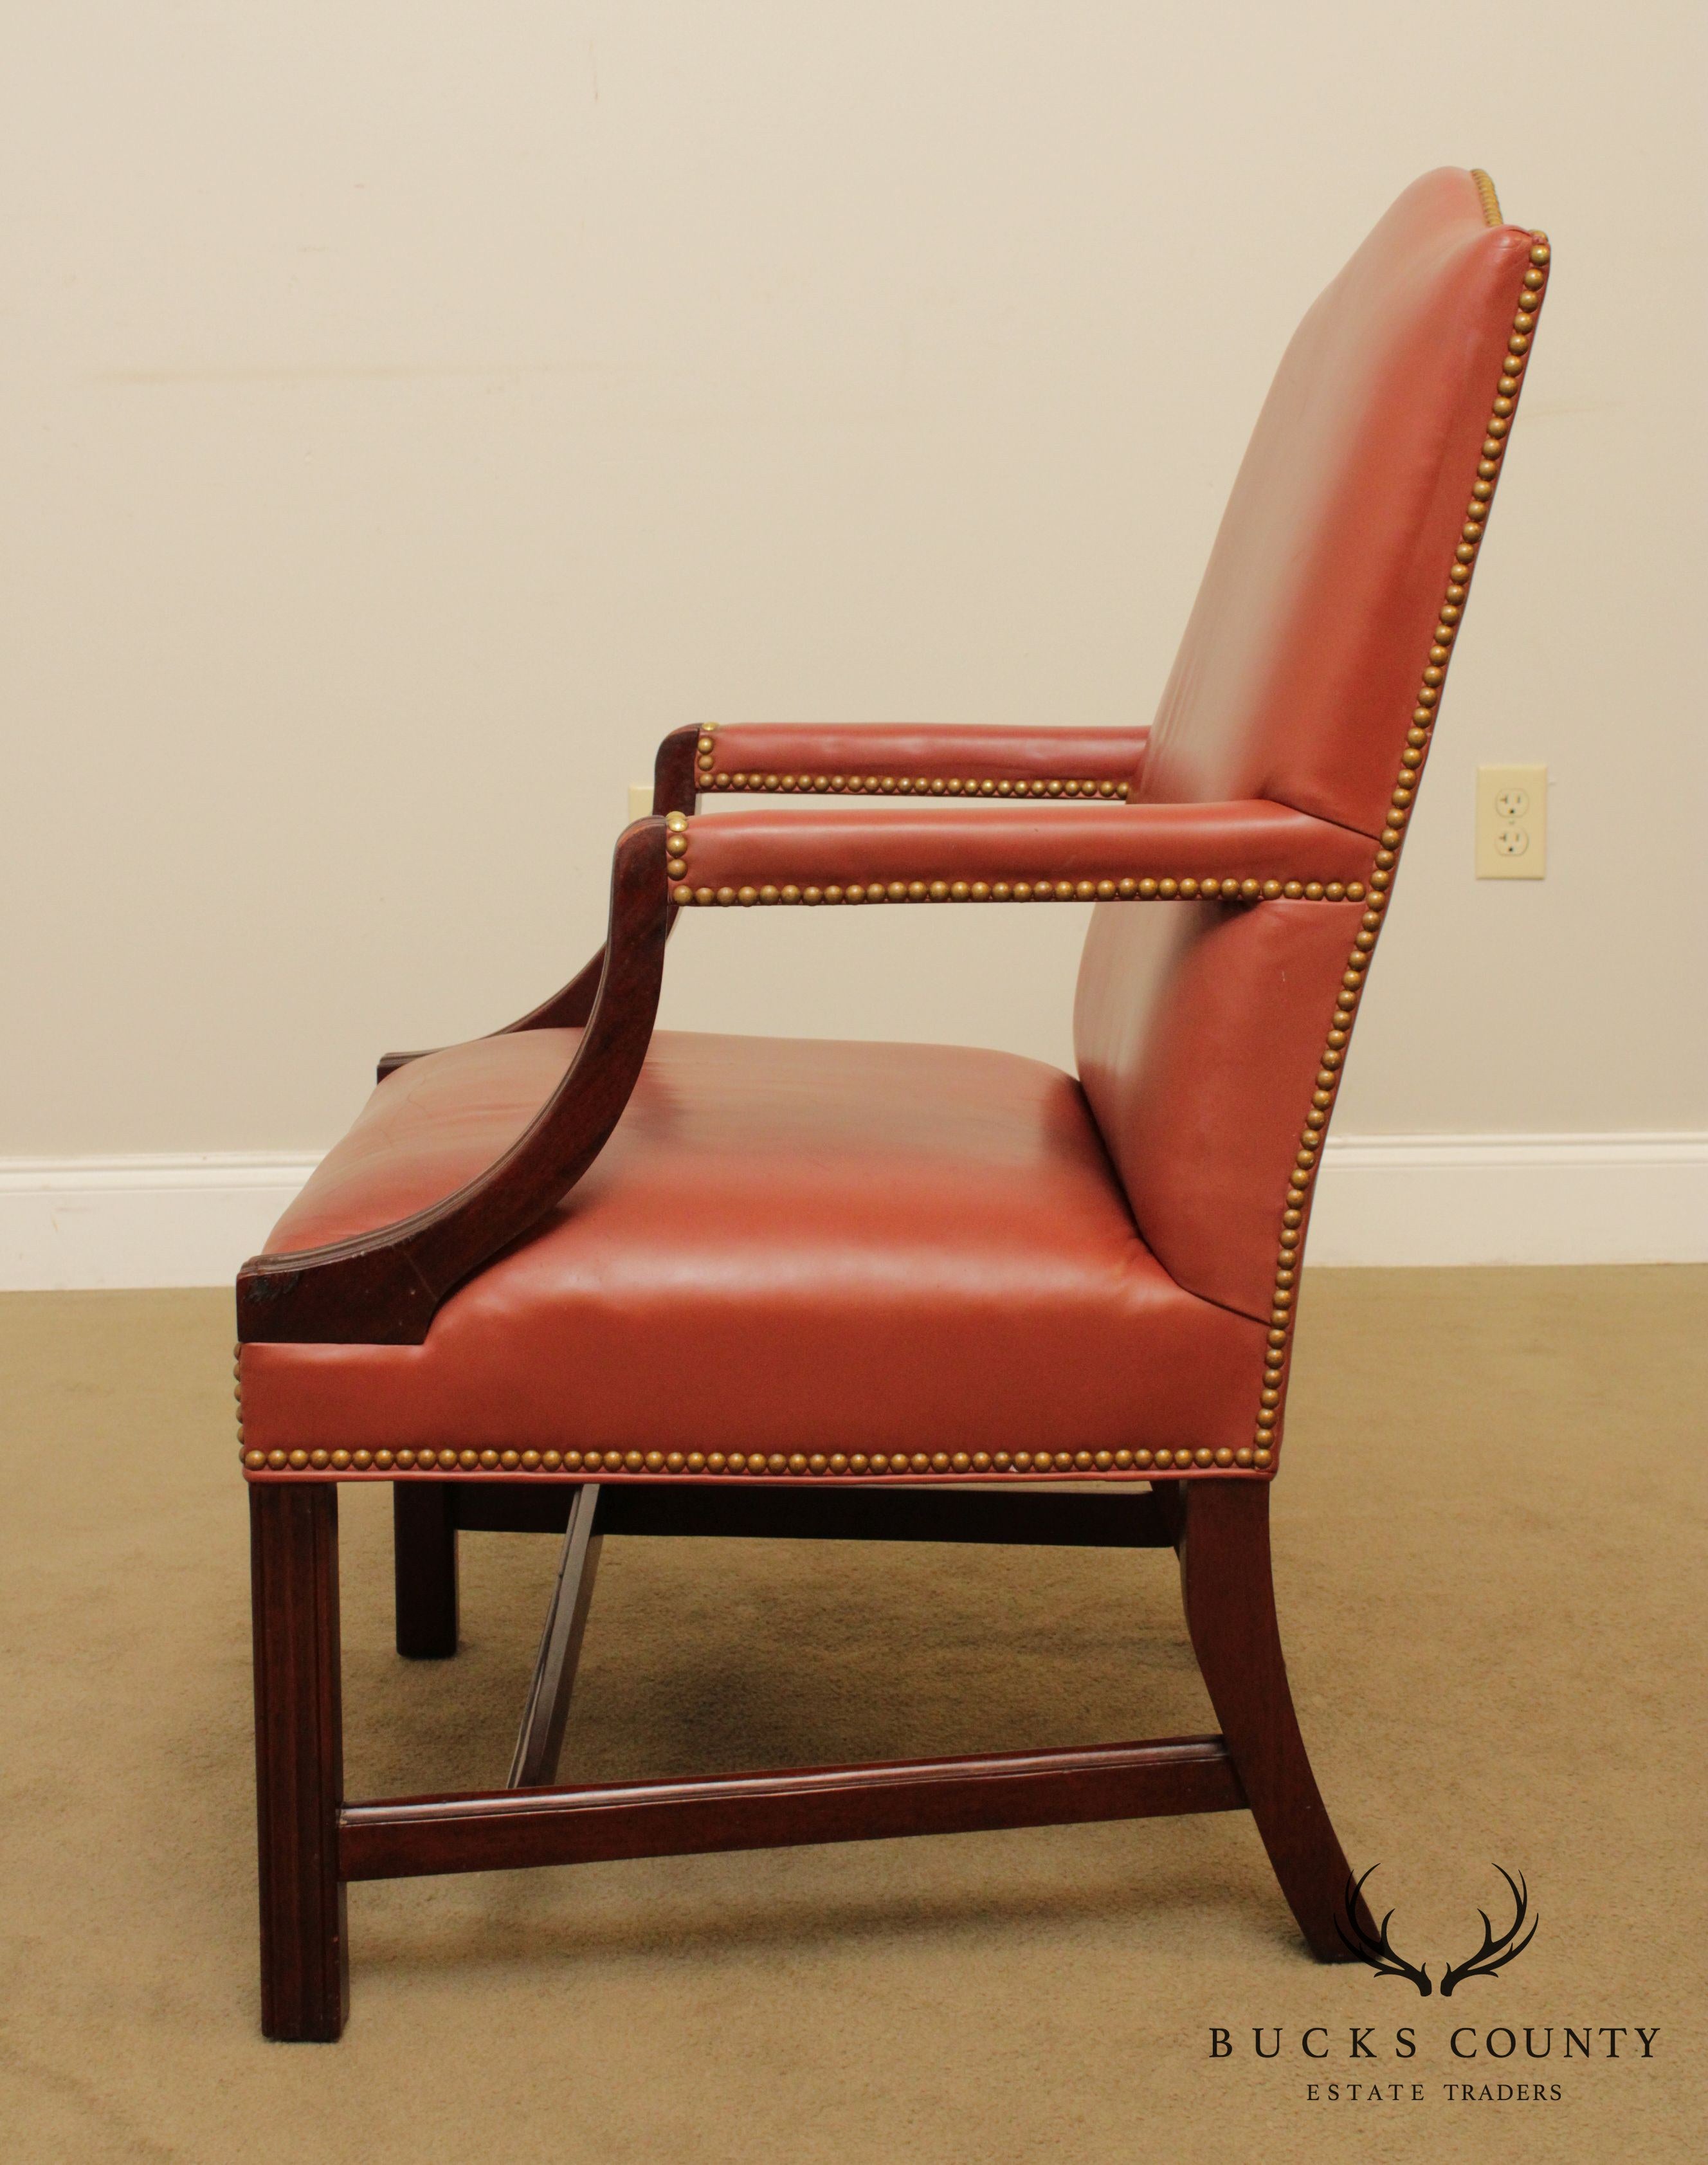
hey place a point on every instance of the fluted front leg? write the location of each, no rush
(299, 1758)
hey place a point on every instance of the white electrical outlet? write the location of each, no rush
(1511, 822)
(639, 800)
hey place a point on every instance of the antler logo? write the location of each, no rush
(1379, 1953)
(1488, 1959)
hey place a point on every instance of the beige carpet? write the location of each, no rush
(1490, 1551)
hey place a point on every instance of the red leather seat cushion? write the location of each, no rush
(787, 1246)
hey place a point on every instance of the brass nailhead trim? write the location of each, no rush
(756, 1464)
(908, 785)
(1491, 202)
(1211, 889)
(1411, 761)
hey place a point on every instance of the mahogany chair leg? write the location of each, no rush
(1230, 1599)
(424, 1563)
(299, 1759)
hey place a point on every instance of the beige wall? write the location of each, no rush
(417, 408)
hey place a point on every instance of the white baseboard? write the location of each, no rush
(1445, 1199)
(1382, 1199)
(140, 1221)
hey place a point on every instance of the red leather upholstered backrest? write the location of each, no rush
(1314, 653)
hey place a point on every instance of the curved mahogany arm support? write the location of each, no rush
(914, 758)
(672, 791)
(569, 1006)
(951, 852)
(673, 783)
(383, 1287)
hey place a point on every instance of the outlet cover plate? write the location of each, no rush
(1511, 822)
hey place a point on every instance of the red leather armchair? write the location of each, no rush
(586, 1277)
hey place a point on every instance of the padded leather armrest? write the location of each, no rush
(905, 759)
(1253, 850)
